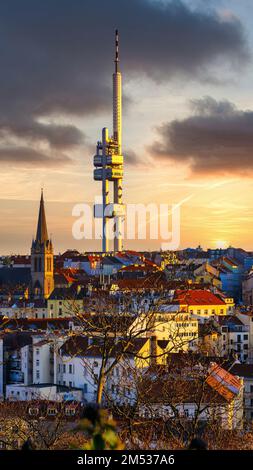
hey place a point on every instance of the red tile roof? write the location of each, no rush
(197, 297)
(139, 267)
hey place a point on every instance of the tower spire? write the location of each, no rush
(42, 235)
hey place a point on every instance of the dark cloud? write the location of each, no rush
(30, 157)
(56, 56)
(55, 135)
(216, 138)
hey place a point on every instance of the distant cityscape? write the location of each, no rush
(84, 328)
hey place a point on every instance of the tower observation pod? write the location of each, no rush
(108, 163)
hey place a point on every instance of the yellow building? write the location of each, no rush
(65, 302)
(203, 302)
(207, 274)
(179, 329)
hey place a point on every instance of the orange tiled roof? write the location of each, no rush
(226, 384)
(197, 297)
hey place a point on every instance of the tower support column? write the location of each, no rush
(105, 191)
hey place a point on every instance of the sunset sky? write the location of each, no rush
(187, 114)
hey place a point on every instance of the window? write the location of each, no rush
(239, 338)
(95, 364)
(64, 368)
(213, 311)
(70, 369)
(251, 389)
(59, 367)
(70, 383)
(85, 388)
(245, 337)
(52, 411)
(60, 311)
(37, 351)
(33, 411)
(70, 411)
(37, 362)
(221, 310)
(37, 374)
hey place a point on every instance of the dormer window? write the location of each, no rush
(52, 411)
(32, 411)
(70, 411)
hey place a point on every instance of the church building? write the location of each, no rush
(42, 259)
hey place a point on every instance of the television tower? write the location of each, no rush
(109, 165)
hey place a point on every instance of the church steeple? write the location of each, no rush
(42, 258)
(42, 236)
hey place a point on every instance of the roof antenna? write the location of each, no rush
(116, 50)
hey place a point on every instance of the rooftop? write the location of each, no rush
(197, 297)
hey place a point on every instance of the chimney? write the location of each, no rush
(153, 350)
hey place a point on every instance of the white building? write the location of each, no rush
(78, 364)
(48, 392)
(221, 399)
(234, 337)
(245, 371)
(1, 368)
(246, 318)
(43, 361)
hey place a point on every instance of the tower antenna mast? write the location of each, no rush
(109, 165)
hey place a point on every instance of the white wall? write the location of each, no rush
(43, 367)
(1, 369)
